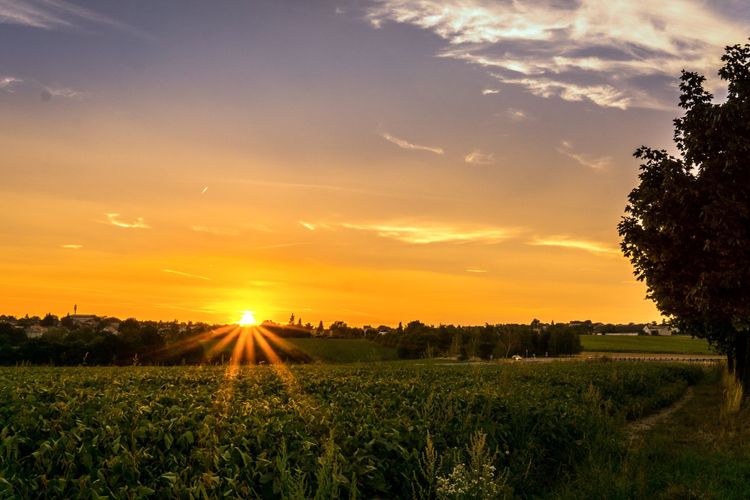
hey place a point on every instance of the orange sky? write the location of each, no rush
(366, 162)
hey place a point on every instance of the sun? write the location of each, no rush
(248, 319)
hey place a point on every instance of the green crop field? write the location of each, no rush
(344, 350)
(387, 430)
(619, 343)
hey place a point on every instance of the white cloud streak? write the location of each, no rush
(435, 233)
(186, 275)
(113, 218)
(408, 145)
(476, 157)
(517, 114)
(71, 247)
(57, 15)
(563, 241)
(47, 92)
(597, 163)
(7, 83)
(587, 50)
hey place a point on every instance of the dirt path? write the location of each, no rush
(635, 429)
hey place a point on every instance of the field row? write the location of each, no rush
(393, 430)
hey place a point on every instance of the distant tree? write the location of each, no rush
(320, 328)
(687, 225)
(49, 320)
(291, 319)
(11, 335)
(67, 322)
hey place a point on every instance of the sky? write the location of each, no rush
(452, 161)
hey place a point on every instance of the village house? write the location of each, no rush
(661, 330)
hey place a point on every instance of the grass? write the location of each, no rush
(701, 451)
(344, 350)
(619, 343)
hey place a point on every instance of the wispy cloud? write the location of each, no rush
(476, 157)
(47, 92)
(584, 50)
(71, 247)
(517, 114)
(490, 91)
(475, 270)
(563, 241)
(57, 15)
(436, 233)
(408, 145)
(186, 275)
(604, 95)
(7, 83)
(218, 231)
(113, 218)
(597, 163)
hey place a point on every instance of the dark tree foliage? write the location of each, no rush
(687, 225)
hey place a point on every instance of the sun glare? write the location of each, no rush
(248, 319)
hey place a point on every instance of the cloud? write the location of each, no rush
(71, 247)
(112, 218)
(597, 163)
(475, 270)
(308, 225)
(615, 54)
(218, 231)
(408, 145)
(435, 233)
(7, 83)
(603, 95)
(490, 91)
(57, 15)
(517, 114)
(476, 157)
(186, 275)
(47, 92)
(563, 241)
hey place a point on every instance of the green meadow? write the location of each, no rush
(679, 344)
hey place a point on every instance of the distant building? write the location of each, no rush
(111, 328)
(35, 331)
(661, 330)
(84, 319)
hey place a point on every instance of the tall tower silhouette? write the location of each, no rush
(75, 309)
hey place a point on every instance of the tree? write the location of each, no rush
(49, 320)
(686, 228)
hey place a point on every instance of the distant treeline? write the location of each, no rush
(109, 341)
(418, 340)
